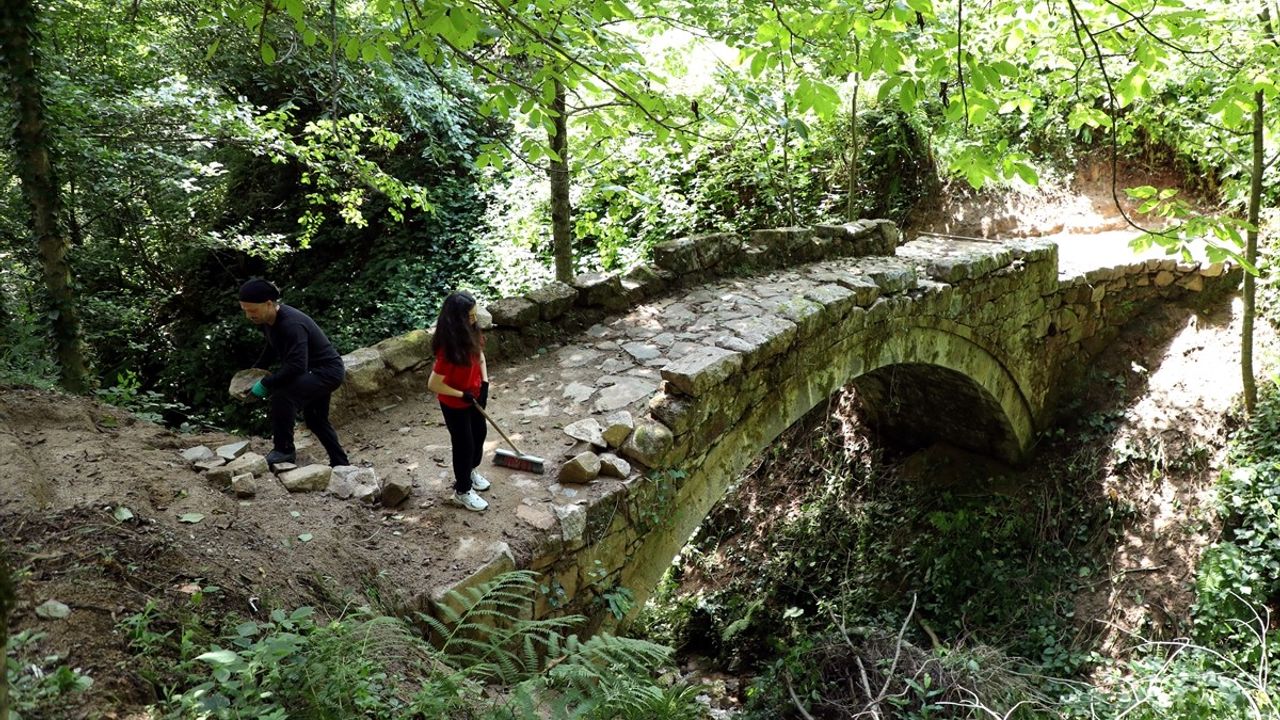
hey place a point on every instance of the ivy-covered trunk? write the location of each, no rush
(39, 185)
(558, 170)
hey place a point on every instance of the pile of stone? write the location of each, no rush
(233, 467)
(589, 458)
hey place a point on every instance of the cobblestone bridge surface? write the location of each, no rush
(649, 393)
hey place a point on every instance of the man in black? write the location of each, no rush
(310, 370)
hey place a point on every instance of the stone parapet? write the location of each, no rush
(514, 325)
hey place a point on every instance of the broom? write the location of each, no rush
(514, 460)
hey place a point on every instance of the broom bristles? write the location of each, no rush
(526, 463)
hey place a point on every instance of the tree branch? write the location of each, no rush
(1169, 43)
(1079, 22)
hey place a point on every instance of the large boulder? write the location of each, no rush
(405, 351)
(583, 468)
(197, 454)
(617, 427)
(396, 491)
(613, 466)
(243, 486)
(366, 371)
(539, 517)
(587, 430)
(553, 299)
(514, 312)
(601, 290)
(231, 451)
(243, 381)
(350, 481)
(307, 478)
(649, 443)
(784, 241)
(643, 281)
(573, 521)
(696, 253)
(678, 256)
(251, 463)
(702, 369)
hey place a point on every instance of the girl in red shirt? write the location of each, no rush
(460, 378)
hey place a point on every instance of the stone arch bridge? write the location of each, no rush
(726, 341)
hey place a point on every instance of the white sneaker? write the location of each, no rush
(470, 500)
(478, 481)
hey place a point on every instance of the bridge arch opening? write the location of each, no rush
(958, 389)
(917, 404)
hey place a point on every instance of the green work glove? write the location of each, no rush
(258, 389)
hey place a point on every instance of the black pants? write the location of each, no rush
(466, 432)
(310, 393)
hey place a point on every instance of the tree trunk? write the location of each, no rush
(7, 594)
(1251, 255)
(558, 171)
(852, 208)
(40, 187)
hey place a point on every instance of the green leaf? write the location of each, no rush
(268, 53)
(1006, 68)
(218, 657)
(1133, 86)
(1027, 173)
(122, 514)
(305, 537)
(907, 96)
(191, 518)
(886, 89)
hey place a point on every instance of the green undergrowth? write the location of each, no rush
(939, 585)
(481, 659)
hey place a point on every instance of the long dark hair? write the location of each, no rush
(455, 335)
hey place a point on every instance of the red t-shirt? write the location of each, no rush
(458, 377)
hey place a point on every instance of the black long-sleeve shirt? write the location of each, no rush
(300, 345)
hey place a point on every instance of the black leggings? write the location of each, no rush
(467, 432)
(310, 392)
